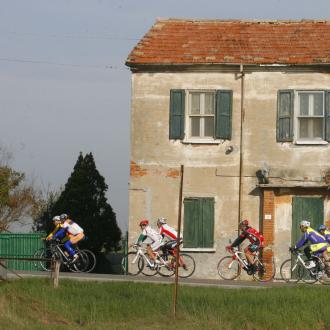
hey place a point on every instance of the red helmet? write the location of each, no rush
(244, 223)
(144, 222)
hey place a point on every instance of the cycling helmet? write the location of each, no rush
(161, 221)
(244, 223)
(63, 217)
(305, 223)
(321, 227)
(56, 218)
(144, 222)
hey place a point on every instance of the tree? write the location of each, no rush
(83, 199)
(18, 198)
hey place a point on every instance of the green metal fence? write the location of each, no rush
(20, 246)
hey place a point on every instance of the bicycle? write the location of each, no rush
(136, 262)
(230, 267)
(56, 251)
(295, 270)
(186, 266)
(133, 262)
(88, 254)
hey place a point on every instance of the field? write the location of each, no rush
(34, 304)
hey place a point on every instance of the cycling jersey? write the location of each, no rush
(312, 236)
(69, 227)
(252, 235)
(72, 228)
(55, 230)
(327, 235)
(148, 232)
(168, 232)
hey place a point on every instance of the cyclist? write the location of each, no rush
(156, 238)
(57, 223)
(170, 235)
(325, 232)
(256, 242)
(318, 243)
(74, 232)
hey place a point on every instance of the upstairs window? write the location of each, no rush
(303, 117)
(200, 116)
(201, 119)
(310, 116)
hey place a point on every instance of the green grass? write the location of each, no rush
(34, 304)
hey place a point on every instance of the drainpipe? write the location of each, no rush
(240, 188)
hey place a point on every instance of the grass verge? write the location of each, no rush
(34, 304)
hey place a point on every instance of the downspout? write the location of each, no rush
(240, 188)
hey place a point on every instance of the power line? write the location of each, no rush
(108, 67)
(70, 36)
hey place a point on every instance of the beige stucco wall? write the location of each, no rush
(209, 171)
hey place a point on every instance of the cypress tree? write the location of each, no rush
(83, 199)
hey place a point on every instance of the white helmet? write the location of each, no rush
(305, 223)
(161, 221)
(56, 218)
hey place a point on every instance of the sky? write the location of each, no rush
(64, 86)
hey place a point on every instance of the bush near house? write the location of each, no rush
(34, 304)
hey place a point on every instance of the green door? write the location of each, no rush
(306, 208)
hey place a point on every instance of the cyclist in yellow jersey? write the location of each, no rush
(58, 226)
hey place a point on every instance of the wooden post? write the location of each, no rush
(3, 270)
(56, 273)
(175, 295)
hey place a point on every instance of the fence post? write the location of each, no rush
(56, 264)
(3, 270)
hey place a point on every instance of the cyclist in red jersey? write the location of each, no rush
(256, 242)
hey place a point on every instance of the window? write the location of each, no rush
(309, 114)
(201, 108)
(199, 116)
(198, 225)
(303, 117)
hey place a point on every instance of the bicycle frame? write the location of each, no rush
(141, 253)
(300, 260)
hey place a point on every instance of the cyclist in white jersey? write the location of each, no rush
(73, 231)
(148, 232)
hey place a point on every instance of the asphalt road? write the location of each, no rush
(236, 284)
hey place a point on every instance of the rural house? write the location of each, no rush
(245, 107)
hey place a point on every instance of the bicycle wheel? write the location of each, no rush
(229, 268)
(291, 273)
(324, 276)
(166, 268)
(132, 263)
(81, 264)
(47, 264)
(265, 270)
(37, 255)
(91, 260)
(186, 265)
(149, 268)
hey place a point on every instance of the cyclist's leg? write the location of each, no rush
(73, 240)
(249, 254)
(154, 247)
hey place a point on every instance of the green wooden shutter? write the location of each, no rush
(191, 223)
(284, 127)
(207, 221)
(223, 114)
(198, 230)
(177, 113)
(327, 116)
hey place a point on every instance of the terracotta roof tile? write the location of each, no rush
(177, 41)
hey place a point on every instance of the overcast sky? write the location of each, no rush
(64, 87)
